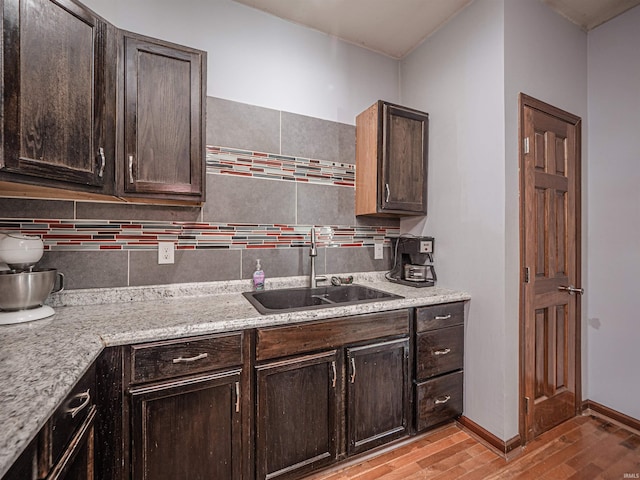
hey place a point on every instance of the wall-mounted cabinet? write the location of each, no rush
(78, 121)
(391, 161)
(161, 135)
(58, 96)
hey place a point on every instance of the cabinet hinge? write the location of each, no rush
(526, 405)
(526, 145)
(526, 274)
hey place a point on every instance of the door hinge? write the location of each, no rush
(526, 275)
(526, 405)
(526, 145)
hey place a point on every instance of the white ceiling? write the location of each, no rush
(395, 27)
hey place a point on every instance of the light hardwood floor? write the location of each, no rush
(583, 448)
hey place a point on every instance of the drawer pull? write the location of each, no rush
(85, 399)
(443, 317)
(444, 351)
(190, 359)
(335, 374)
(237, 397)
(442, 400)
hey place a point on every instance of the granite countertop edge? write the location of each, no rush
(41, 361)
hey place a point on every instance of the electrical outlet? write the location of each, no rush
(378, 251)
(165, 253)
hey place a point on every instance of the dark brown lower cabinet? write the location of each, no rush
(297, 415)
(377, 394)
(187, 429)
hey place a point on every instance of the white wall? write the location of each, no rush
(457, 75)
(613, 299)
(262, 60)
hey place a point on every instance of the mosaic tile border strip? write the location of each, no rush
(229, 161)
(91, 235)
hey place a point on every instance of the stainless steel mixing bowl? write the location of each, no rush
(19, 291)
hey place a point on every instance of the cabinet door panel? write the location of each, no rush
(163, 118)
(55, 91)
(187, 429)
(404, 160)
(297, 420)
(377, 394)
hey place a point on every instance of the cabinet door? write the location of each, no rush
(54, 92)
(403, 183)
(187, 429)
(77, 462)
(377, 394)
(163, 118)
(297, 419)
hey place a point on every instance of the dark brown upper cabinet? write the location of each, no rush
(58, 120)
(161, 137)
(391, 161)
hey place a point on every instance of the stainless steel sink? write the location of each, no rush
(295, 299)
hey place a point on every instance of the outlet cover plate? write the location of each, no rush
(378, 251)
(165, 253)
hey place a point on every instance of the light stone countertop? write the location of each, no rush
(41, 361)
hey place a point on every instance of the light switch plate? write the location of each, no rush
(378, 251)
(165, 253)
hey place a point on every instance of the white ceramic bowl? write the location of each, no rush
(20, 251)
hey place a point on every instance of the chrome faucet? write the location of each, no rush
(313, 253)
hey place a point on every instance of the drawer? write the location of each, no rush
(439, 351)
(69, 416)
(173, 358)
(439, 316)
(438, 400)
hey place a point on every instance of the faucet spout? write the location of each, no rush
(313, 253)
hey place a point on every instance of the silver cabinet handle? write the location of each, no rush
(237, 397)
(131, 179)
(335, 374)
(190, 359)
(103, 161)
(388, 190)
(85, 399)
(444, 351)
(445, 399)
(353, 370)
(443, 317)
(571, 289)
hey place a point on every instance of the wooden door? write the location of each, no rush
(550, 254)
(189, 428)
(377, 394)
(54, 92)
(403, 181)
(163, 118)
(297, 415)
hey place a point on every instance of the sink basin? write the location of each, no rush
(295, 299)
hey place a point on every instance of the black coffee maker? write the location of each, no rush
(413, 262)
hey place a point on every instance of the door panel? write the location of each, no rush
(297, 415)
(550, 253)
(54, 96)
(377, 392)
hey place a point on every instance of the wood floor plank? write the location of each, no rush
(583, 448)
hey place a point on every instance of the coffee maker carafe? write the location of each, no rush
(413, 262)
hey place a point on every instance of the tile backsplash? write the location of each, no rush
(270, 176)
